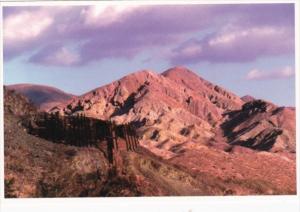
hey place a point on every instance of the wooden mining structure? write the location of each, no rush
(83, 131)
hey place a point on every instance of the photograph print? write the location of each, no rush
(127, 100)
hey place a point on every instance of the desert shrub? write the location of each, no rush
(185, 131)
(120, 186)
(71, 152)
(8, 188)
(47, 189)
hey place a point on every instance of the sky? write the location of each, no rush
(248, 49)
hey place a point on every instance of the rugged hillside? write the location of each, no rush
(43, 97)
(262, 126)
(17, 104)
(36, 167)
(167, 113)
(218, 96)
(201, 128)
(178, 109)
(195, 138)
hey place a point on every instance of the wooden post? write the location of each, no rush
(115, 136)
(109, 143)
(125, 136)
(133, 132)
(128, 136)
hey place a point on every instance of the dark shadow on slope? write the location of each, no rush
(263, 141)
(130, 101)
(128, 104)
(260, 141)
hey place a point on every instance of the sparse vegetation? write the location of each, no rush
(8, 187)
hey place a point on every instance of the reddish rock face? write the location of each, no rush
(218, 96)
(261, 126)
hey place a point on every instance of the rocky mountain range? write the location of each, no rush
(177, 109)
(196, 138)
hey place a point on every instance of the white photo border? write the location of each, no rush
(280, 203)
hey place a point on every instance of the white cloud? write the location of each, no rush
(257, 74)
(62, 56)
(236, 44)
(191, 51)
(25, 26)
(102, 15)
(229, 36)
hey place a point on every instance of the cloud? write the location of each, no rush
(56, 55)
(30, 28)
(244, 37)
(257, 74)
(236, 45)
(25, 26)
(22, 28)
(103, 15)
(119, 31)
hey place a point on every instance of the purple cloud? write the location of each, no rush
(257, 74)
(57, 55)
(236, 45)
(89, 33)
(27, 29)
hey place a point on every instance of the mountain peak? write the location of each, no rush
(139, 77)
(144, 73)
(179, 70)
(221, 97)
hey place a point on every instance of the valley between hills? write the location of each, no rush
(194, 139)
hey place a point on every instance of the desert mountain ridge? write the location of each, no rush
(195, 138)
(171, 108)
(177, 109)
(46, 97)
